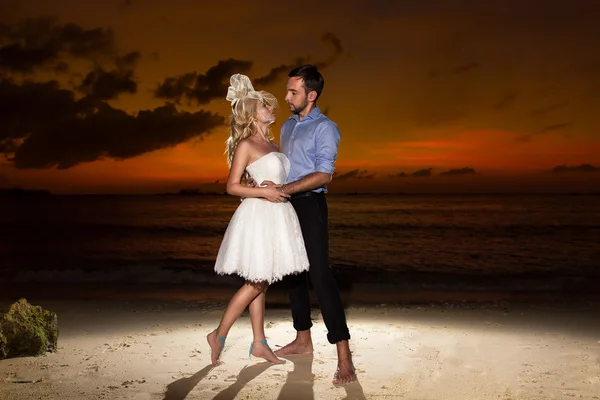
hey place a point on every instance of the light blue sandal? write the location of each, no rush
(222, 340)
(264, 341)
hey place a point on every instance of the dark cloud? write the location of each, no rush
(128, 61)
(335, 42)
(354, 174)
(202, 88)
(338, 50)
(36, 43)
(576, 168)
(216, 187)
(106, 85)
(61, 67)
(466, 67)
(505, 100)
(548, 109)
(549, 128)
(67, 131)
(15, 58)
(42, 43)
(281, 71)
(459, 171)
(421, 173)
(554, 127)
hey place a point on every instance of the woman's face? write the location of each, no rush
(264, 113)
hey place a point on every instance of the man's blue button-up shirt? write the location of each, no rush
(311, 144)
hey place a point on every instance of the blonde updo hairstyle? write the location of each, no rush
(242, 122)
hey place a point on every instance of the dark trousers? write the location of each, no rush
(313, 216)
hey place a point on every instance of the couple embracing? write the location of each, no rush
(280, 229)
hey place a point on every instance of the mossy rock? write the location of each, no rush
(3, 346)
(27, 330)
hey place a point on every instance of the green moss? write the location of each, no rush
(28, 330)
(3, 346)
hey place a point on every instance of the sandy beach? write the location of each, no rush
(156, 349)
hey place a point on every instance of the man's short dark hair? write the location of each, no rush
(313, 80)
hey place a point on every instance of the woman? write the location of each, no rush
(263, 241)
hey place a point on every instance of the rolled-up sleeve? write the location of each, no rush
(328, 138)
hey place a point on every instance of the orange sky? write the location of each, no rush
(499, 94)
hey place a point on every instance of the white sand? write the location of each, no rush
(157, 350)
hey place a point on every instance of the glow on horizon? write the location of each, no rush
(440, 97)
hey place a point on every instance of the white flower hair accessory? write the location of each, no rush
(240, 88)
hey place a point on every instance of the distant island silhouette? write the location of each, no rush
(197, 192)
(21, 192)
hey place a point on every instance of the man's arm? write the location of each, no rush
(328, 139)
(309, 182)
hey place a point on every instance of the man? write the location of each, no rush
(310, 140)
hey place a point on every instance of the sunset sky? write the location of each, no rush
(128, 96)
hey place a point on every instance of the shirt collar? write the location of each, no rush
(314, 114)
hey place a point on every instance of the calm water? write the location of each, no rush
(173, 239)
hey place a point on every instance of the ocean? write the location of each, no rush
(466, 242)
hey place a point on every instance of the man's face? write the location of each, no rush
(296, 95)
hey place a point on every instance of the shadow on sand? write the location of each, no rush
(298, 385)
(354, 391)
(300, 382)
(246, 375)
(179, 389)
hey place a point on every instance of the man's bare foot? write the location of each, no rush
(296, 347)
(262, 350)
(344, 374)
(216, 347)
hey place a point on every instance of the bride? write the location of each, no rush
(263, 241)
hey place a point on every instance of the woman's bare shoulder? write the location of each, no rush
(245, 145)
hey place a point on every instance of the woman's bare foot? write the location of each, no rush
(216, 347)
(344, 374)
(262, 350)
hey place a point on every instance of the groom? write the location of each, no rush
(310, 140)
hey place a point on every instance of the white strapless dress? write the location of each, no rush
(263, 241)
